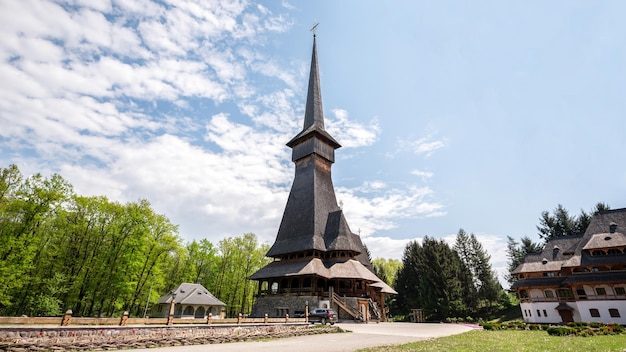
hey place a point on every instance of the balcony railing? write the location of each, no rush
(575, 298)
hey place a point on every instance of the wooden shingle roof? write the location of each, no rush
(192, 294)
(605, 230)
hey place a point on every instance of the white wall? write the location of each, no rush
(581, 311)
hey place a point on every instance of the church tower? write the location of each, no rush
(318, 261)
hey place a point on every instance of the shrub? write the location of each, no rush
(491, 326)
(585, 333)
(561, 331)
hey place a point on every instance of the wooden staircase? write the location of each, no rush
(346, 307)
(374, 309)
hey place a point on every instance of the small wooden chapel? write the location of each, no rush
(317, 261)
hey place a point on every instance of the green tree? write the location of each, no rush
(239, 258)
(27, 206)
(386, 269)
(408, 281)
(515, 252)
(561, 223)
(431, 279)
(484, 279)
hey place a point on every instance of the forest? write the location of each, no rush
(100, 258)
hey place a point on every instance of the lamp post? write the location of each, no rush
(170, 316)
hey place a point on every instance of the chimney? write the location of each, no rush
(612, 227)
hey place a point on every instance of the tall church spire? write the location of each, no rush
(313, 119)
(314, 115)
(312, 219)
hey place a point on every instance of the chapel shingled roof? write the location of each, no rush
(192, 294)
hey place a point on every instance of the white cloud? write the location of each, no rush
(349, 133)
(374, 209)
(424, 175)
(423, 146)
(386, 247)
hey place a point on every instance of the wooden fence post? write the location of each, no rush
(124, 319)
(286, 318)
(239, 319)
(265, 318)
(209, 318)
(67, 318)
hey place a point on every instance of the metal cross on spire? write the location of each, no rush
(314, 29)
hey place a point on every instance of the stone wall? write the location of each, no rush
(90, 338)
(276, 305)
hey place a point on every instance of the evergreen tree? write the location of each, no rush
(431, 279)
(407, 281)
(561, 223)
(515, 253)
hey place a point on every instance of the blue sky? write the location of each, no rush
(452, 114)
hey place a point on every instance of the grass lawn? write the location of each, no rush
(511, 340)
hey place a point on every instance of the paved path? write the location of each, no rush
(362, 336)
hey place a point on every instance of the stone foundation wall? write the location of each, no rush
(98, 338)
(276, 306)
(352, 302)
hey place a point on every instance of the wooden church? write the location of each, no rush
(317, 261)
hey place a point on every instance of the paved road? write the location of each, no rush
(362, 336)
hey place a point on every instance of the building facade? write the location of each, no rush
(317, 260)
(190, 301)
(577, 278)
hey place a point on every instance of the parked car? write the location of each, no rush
(299, 313)
(323, 316)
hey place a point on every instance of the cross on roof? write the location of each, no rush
(314, 29)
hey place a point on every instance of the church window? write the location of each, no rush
(548, 293)
(594, 313)
(620, 290)
(600, 291)
(545, 314)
